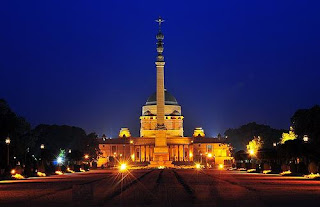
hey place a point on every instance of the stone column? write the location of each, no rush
(161, 151)
(160, 93)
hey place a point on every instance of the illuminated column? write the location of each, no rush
(160, 93)
(161, 151)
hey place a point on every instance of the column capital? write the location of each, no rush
(160, 63)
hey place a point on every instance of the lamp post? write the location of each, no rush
(8, 155)
(41, 154)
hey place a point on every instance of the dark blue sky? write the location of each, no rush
(91, 63)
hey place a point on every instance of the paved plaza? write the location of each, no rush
(168, 187)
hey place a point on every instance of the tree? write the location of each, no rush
(17, 128)
(239, 137)
(288, 136)
(307, 122)
(254, 145)
(91, 145)
(56, 137)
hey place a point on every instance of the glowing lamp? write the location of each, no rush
(59, 160)
(17, 176)
(251, 152)
(190, 154)
(123, 167)
(41, 174)
(86, 156)
(58, 172)
(8, 140)
(198, 166)
(221, 166)
(42, 146)
(13, 171)
(209, 155)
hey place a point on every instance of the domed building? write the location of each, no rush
(162, 142)
(173, 118)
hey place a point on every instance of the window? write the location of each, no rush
(114, 149)
(224, 153)
(209, 148)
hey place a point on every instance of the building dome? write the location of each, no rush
(169, 99)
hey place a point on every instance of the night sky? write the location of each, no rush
(91, 63)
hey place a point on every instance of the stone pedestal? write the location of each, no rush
(161, 151)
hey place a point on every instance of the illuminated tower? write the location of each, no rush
(161, 151)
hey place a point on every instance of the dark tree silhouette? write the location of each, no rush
(307, 122)
(241, 136)
(16, 128)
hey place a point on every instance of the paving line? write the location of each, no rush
(118, 192)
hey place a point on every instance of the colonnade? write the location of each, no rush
(177, 152)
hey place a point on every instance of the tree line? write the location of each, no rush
(26, 141)
(303, 121)
(297, 150)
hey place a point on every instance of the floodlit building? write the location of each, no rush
(162, 141)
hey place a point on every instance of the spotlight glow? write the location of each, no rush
(59, 160)
(198, 166)
(123, 166)
(18, 176)
(41, 174)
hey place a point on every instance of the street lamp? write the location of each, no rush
(60, 160)
(123, 167)
(41, 154)
(198, 166)
(8, 141)
(86, 156)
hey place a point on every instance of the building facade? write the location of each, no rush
(162, 141)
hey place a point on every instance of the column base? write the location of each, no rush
(161, 160)
(161, 164)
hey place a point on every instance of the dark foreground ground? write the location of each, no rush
(161, 188)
